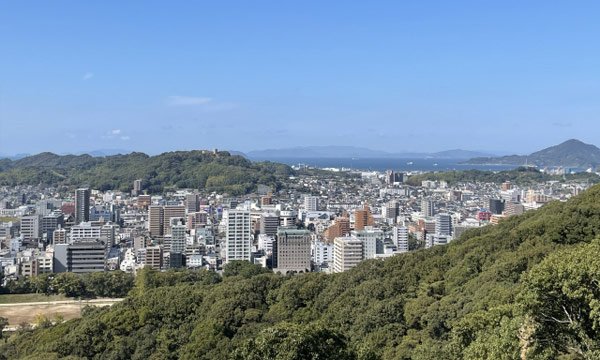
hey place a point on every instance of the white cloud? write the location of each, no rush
(116, 131)
(125, 138)
(88, 75)
(188, 100)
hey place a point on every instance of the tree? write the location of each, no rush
(3, 324)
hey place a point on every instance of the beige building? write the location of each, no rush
(291, 251)
(347, 253)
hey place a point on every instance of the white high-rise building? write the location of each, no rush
(427, 208)
(178, 237)
(369, 237)
(347, 253)
(238, 239)
(322, 253)
(311, 203)
(400, 237)
(85, 230)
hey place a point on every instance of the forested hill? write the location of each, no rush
(525, 289)
(182, 169)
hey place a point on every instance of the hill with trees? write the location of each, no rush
(207, 170)
(520, 176)
(524, 289)
(571, 153)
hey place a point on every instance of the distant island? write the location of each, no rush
(307, 152)
(571, 153)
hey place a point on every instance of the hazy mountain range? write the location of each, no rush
(307, 152)
(571, 153)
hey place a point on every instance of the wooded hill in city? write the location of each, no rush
(206, 170)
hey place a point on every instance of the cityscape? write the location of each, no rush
(275, 180)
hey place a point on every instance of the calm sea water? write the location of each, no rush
(394, 164)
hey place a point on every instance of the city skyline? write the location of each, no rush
(76, 77)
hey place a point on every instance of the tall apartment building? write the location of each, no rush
(196, 219)
(192, 203)
(59, 236)
(82, 205)
(427, 208)
(340, 228)
(347, 253)
(109, 232)
(178, 238)
(81, 256)
(322, 253)
(172, 212)
(311, 203)
(400, 237)
(238, 238)
(30, 227)
(390, 210)
(443, 224)
(369, 237)
(156, 219)
(137, 187)
(363, 218)
(291, 251)
(269, 224)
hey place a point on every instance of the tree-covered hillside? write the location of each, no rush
(520, 176)
(527, 288)
(182, 169)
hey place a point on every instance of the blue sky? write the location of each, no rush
(155, 76)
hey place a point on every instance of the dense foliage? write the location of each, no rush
(519, 176)
(182, 169)
(526, 288)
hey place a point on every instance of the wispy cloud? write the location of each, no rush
(116, 134)
(188, 100)
(125, 137)
(87, 76)
(562, 124)
(116, 131)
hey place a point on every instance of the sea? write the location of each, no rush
(383, 164)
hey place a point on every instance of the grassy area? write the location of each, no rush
(26, 298)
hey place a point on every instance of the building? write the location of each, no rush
(59, 236)
(311, 203)
(340, 228)
(427, 208)
(322, 253)
(81, 256)
(82, 205)
(85, 230)
(51, 222)
(197, 219)
(178, 238)
(172, 212)
(109, 233)
(30, 227)
(238, 238)
(156, 216)
(369, 237)
(390, 210)
(363, 218)
(291, 251)
(269, 224)
(192, 203)
(41, 264)
(496, 206)
(137, 187)
(400, 237)
(153, 257)
(443, 224)
(347, 253)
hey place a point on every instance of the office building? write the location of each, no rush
(85, 230)
(50, 223)
(30, 227)
(496, 206)
(269, 224)
(197, 219)
(137, 187)
(81, 256)
(82, 205)
(291, 251)
(178, 238)
(192, 203)
(347, 253)
(238, 238)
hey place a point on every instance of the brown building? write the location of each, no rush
(143, 201)
(363, 218)
(341, 227)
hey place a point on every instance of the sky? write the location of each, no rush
(155, 76)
